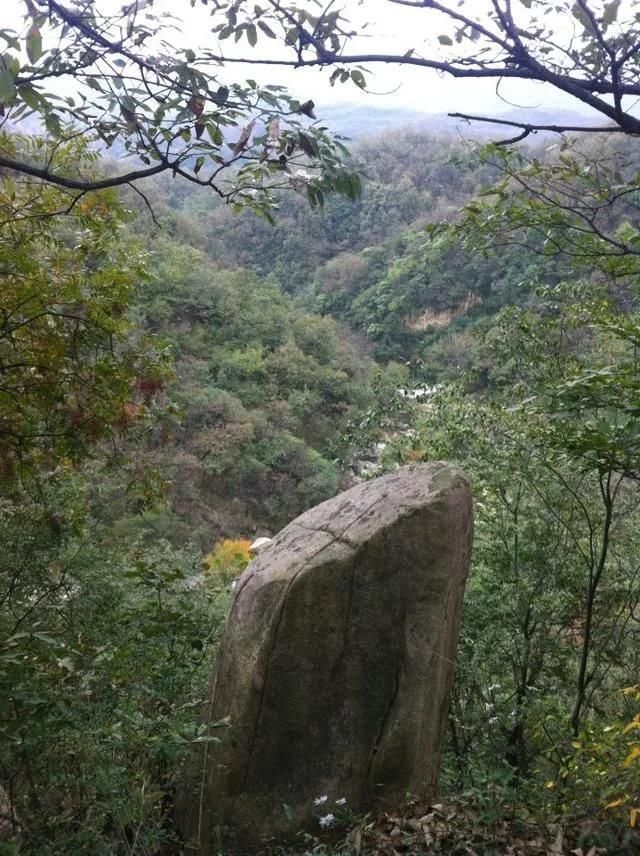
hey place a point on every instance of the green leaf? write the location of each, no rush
(306, 144)
(306, 109)
(7, 87)
(45, 637)
(610, 12)
(30, 97)
(266, 29)
(578, 12)
(445, 40)
(10, 39)
(252, 35)
(358, 78)
(34, 43)
(221, 95)
(215, 134)
(199, 164)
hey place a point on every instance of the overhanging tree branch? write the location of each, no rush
(174, 108)
(80, 184)
(600, 61)
(531, 128)
(242, 141)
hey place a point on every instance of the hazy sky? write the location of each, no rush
(392, 29)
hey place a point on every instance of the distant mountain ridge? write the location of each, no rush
(358, 121)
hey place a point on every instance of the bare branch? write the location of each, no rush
(80, 184)
(531, 127)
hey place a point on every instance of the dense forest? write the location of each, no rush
(180, 375)
(263, 375)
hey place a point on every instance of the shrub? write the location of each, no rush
(104, 657)
(228, 559)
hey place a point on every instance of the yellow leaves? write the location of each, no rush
(634, 753)
(632, 756)
(237, 548)
(413, 455)
(229, 558)
(551, 785)
(63, 316)
(634, 813)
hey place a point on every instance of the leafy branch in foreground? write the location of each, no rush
(164, 107)
(174, 109)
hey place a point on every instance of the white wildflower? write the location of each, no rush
(341, 801)
(327, 820)
(320, 800)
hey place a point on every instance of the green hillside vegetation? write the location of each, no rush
(411, 178)
(215, 315)
(262, 396)
(208, 379)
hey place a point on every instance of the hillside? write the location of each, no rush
(360, 120)
(319, 428)
(209, 376)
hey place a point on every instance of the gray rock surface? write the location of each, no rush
(336, 663)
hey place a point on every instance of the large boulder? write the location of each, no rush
(336, 663)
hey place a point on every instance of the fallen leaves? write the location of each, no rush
(460, 828)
